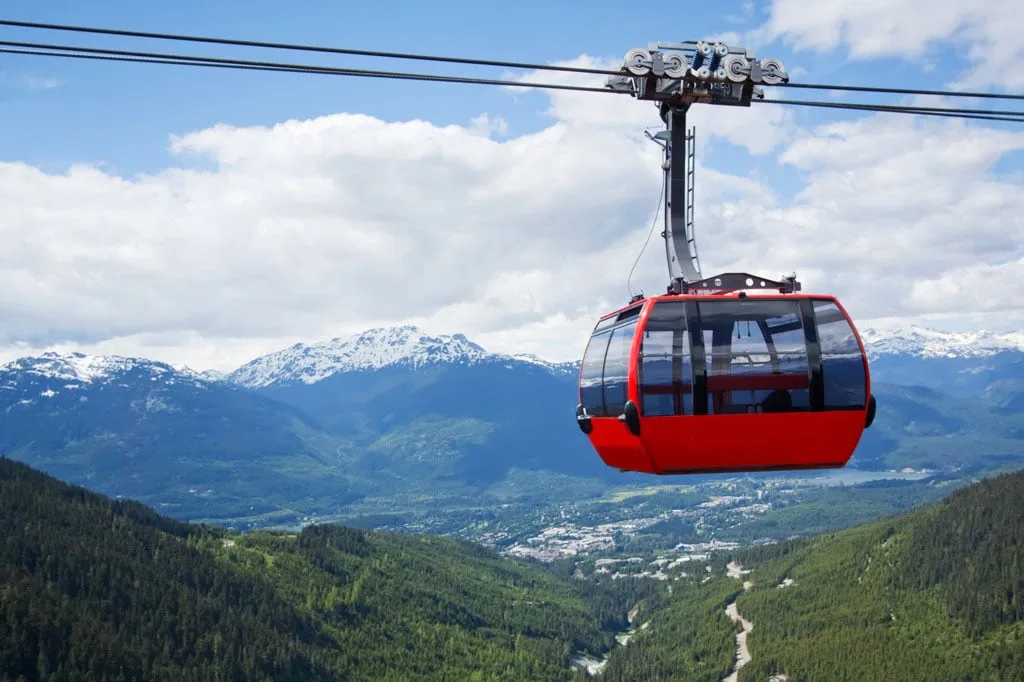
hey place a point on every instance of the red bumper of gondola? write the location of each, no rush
(726, 443)
(619, 448)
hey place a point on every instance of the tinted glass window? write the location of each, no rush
(665, 369)
(756, 356)
(604, 324)
(628, 313)
(786, 334)
(612, 320)
(590, 374)
(616, 368)
(842, 367)
(604, 370)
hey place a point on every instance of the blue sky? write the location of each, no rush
(879, 221)
(122, 114)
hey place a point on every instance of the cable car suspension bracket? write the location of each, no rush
(680, 74)
(674, 76)
(738, 281)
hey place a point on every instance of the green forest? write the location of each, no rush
(99, 589)
(935, 594)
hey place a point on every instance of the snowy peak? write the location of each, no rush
(213, 375)
(570, 366)
(410, 347)
(86, 369)
(384, 346)
(932, 343)
(370, 350)
(78, 369)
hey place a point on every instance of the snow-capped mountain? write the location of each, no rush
(150, 431)
(374, 349)
(57, 372)
(923, 342)
(396, 411)
(958, 363)
(388, 411)
(409, 347)
(386, 384)
(210, 374)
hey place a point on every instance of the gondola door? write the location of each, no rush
(755, 379)
(739, 378)
(665, 384)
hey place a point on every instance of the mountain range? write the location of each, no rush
(396, 413)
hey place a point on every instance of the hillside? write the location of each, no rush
(924, 428)
(936, 594)
(101, 589)
(957, 363)
(168, 437)
(394, 390)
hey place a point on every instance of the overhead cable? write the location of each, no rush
(107, 54)
(50, 50)
(310, 48)
(458, 60)
(899, 91)
(982, 114)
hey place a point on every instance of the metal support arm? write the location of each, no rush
(680, 243)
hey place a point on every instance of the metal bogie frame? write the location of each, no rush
(696, 71)
(675, 75)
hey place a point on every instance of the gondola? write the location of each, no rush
(736, 380)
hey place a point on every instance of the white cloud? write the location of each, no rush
(903, 217)
(987, 33)
(309, 229)
(487, 126)
(28, 81)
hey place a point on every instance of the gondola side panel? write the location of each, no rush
(605, 387)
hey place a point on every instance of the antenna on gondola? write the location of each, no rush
(675, 76)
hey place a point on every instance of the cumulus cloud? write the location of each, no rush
(902, 217)
(308, 229)
(988, 33)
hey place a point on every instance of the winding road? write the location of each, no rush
(734, 570)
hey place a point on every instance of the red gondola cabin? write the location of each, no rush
(696, 383)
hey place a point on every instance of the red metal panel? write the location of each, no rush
(618, 448)
(752, 442)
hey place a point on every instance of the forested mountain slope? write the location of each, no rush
(94, 589)
(936, 594)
